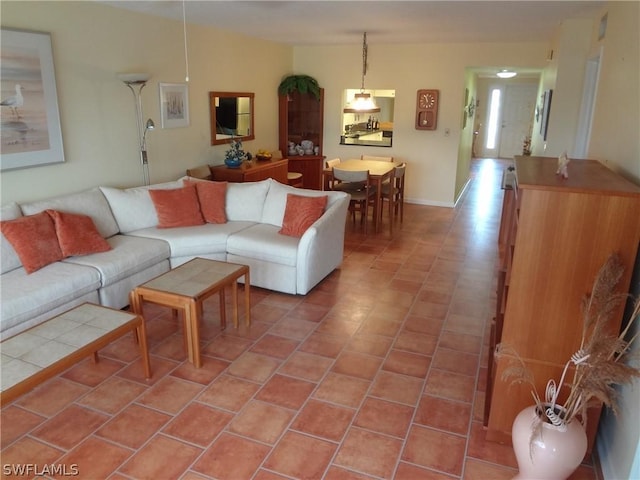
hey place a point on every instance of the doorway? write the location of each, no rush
(509, 118)
(586, 109)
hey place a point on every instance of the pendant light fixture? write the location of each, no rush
(506, 74)
(362, 102)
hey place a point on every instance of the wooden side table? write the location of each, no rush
(187, 286)
(253, 171)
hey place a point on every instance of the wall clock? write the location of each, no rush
(427, 109)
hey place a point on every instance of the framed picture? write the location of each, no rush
(30, 135)
(546, 108)
(174, 105)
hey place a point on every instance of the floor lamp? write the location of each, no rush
(136, 82)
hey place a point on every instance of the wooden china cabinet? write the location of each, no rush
(554, 236)
(301, 118)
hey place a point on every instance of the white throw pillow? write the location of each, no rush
(133, 207)
(88, 202)
(276, 201)
(9, 259)
(244, 201)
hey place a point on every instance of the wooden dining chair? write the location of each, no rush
(393, 192)
(329, 181)
(377, 159)
(359, 185)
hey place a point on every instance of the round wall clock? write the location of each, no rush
(427, 109)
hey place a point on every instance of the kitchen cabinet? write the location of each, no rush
(554, 236)
(301, 117)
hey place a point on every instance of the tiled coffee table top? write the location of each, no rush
(37, 348)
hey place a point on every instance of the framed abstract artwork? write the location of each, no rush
(30, 135)
(174, 105)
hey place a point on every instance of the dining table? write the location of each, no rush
(379, 172)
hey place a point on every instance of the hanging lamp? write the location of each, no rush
(362, 102)
(504, 73)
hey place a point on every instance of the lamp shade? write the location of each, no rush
(506, 74)
(134, 77)
(362, 103)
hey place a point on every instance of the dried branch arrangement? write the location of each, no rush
(601, 363)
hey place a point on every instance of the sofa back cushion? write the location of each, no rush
(9, 259)
(132, 207)
(276, 201)
(245, 201)
(89, 202)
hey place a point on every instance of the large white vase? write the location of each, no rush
(552, 454)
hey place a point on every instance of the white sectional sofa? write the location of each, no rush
(140, 250)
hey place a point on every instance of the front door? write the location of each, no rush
(517, 118)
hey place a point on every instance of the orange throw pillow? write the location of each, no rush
(300, 213)
(212, 197)
(77, 234)
(34, 239)
(177, 207)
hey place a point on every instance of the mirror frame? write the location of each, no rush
(212, 113)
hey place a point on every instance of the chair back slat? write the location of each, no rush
(332, 163)
(348, 176)
(400, 170)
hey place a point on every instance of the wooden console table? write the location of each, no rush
(253, 171)
(555, 234)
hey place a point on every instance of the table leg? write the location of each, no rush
(141, 332)
(247, 298)
(192, 322)
(376, 223)
(223, 310)
(234, 300)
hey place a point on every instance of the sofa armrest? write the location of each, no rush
(321, 248)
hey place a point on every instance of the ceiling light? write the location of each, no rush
(362, 102)
(506, 74)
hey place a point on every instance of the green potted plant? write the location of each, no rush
(299, 83)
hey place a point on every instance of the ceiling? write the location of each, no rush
(307, 22)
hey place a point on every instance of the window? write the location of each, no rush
(494, 114)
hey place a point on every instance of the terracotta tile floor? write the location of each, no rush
(379, 372)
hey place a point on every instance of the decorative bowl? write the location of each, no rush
(263, 157)
(233, 162)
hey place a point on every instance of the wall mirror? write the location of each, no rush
(231, 116)
(372, 129)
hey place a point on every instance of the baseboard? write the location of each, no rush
(429, 203)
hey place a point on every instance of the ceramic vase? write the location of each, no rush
(553, 453)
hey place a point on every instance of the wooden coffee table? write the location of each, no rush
(187, 286)
(37, 354)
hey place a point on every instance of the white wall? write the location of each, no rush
(431, 156)
(91, 44)
(616, 124)
(615, 139)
